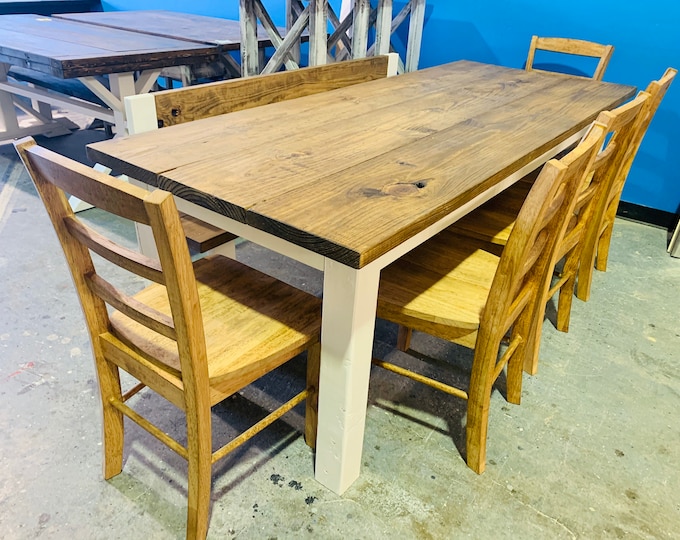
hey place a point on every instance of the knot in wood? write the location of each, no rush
(398, 189)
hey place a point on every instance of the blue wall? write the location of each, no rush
(498, 31)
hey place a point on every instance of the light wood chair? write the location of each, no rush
(568, 46)
(494, 220)
(596, 249)
(458, 289)
(198, 334)
(147, 112)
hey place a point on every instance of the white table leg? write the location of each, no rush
(8, 116)
(349, 306)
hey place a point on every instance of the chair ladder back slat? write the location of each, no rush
(626, 125)
(540, 226)
(136, 310)
(621, 125)
(570, 46)
(657, 90)
(122, 199)
(126, 258)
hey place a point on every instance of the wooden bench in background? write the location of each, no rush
(146, 112)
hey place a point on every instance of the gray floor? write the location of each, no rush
(593, 451)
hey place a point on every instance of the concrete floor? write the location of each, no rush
(592, 452)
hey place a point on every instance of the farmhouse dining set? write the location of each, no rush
(455, 200)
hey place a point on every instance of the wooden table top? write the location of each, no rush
(352, 173)
(223, 33)
(67, 49)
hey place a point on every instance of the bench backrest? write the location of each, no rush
(169, 107)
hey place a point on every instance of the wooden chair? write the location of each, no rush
(146, 112)
(572, 47)
(456, 288)
(494, 220)
(589, 237)
(596, 248)
(196, 335)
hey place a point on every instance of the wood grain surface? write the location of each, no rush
(351, 173)
(224, 33)
(68, 49)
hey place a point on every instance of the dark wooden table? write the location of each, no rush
(130, 48)
(48, 7)
(225, 34)
(349, 180)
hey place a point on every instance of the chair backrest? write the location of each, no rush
(656, 90)
(525, 267)
(169, 107)
(54, 175)
(621, 130)
(568, 46)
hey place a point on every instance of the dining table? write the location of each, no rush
(349, 180)
(111, 54)
(225, 34)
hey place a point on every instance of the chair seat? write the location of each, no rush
(444, 282)
(243, 340)
(493, 221)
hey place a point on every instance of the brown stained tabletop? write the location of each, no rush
(352, 173)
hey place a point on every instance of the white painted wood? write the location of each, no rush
(318, 32)
(383, 27)
(415, 35)
(674, 246)
(362, 14)
(140, 111)
(392, 64)
(348, 323)
(291, 16)
(249, 58)
(146, 80)
(279, 43)
(122, 85)
(8, 117)
(289, 43)
(345, 9)
(54, 98)
(47, 124)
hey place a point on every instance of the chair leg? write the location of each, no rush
(564, 302)
(404, 338)
(534, 340)
(199, 446)
(603, 247)
(112, 419)
(585, 271)
(515, 371)
(312, 402)
(566, 293)
(477, 425)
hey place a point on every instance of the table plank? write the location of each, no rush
(139, 156)
(224, 33)
(68, 49)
